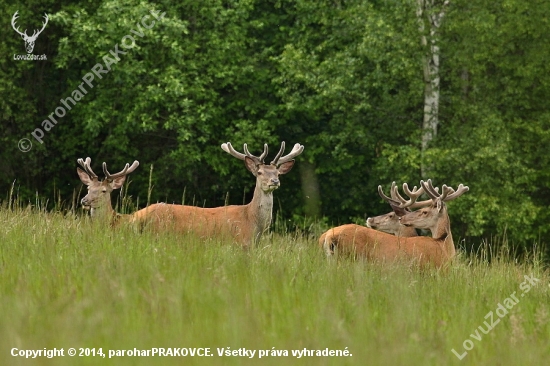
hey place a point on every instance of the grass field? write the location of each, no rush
(67, 282)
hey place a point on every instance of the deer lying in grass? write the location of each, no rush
(244, 224)
(377, 246)
(390, 223)
(98, 199)
(387, 223)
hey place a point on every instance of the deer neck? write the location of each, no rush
(406, 231)
(104, 211)
(442, 233)
(260, 211)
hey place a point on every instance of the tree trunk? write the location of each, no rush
(310, 189)
(427, 14)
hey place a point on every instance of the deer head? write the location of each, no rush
(99, 192)
(29, 40)
(389, 223)
(435, 216)
(267, 175)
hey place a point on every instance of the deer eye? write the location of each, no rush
(260, 173)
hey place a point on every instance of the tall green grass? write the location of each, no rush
(66, 281)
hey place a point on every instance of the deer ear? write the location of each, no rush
(117, 182)
(84, 177)
(286, 167)
(250, 164)
(439, 204)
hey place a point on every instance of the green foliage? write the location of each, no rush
(343, 78)
(337, 75)
(495, 85)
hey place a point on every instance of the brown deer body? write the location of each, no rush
(438, 250)
(359, 241)
(244, 224)
(387, 223)
(240, 222)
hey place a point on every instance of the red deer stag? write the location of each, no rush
(245, 224)
(377, 246)
(387, 223)
(98, 199)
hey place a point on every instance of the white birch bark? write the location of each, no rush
(429, 22)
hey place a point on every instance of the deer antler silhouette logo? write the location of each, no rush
(29, 41)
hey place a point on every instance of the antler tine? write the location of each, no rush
(230, 150)
(245, 149)
(391, 200)
(445, 191)
(86, 165)
(264, 154)
(110, 176)
(398, 195)
(296, 150)
(455, 194)
(81, 163)
(259, 159)
(278, 156)
(133, 167)
(127, 170)
(413, 196)
(392, 191)
(429, 189)
(416, 193)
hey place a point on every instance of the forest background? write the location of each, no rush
(376, 91)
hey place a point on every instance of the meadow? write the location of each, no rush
(66, 281)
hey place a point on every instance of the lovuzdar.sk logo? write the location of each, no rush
(29, 40)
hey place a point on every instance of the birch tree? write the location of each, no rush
(429, 21)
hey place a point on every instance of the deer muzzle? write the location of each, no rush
(274, 183)
(370, 223)
(85, 203)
